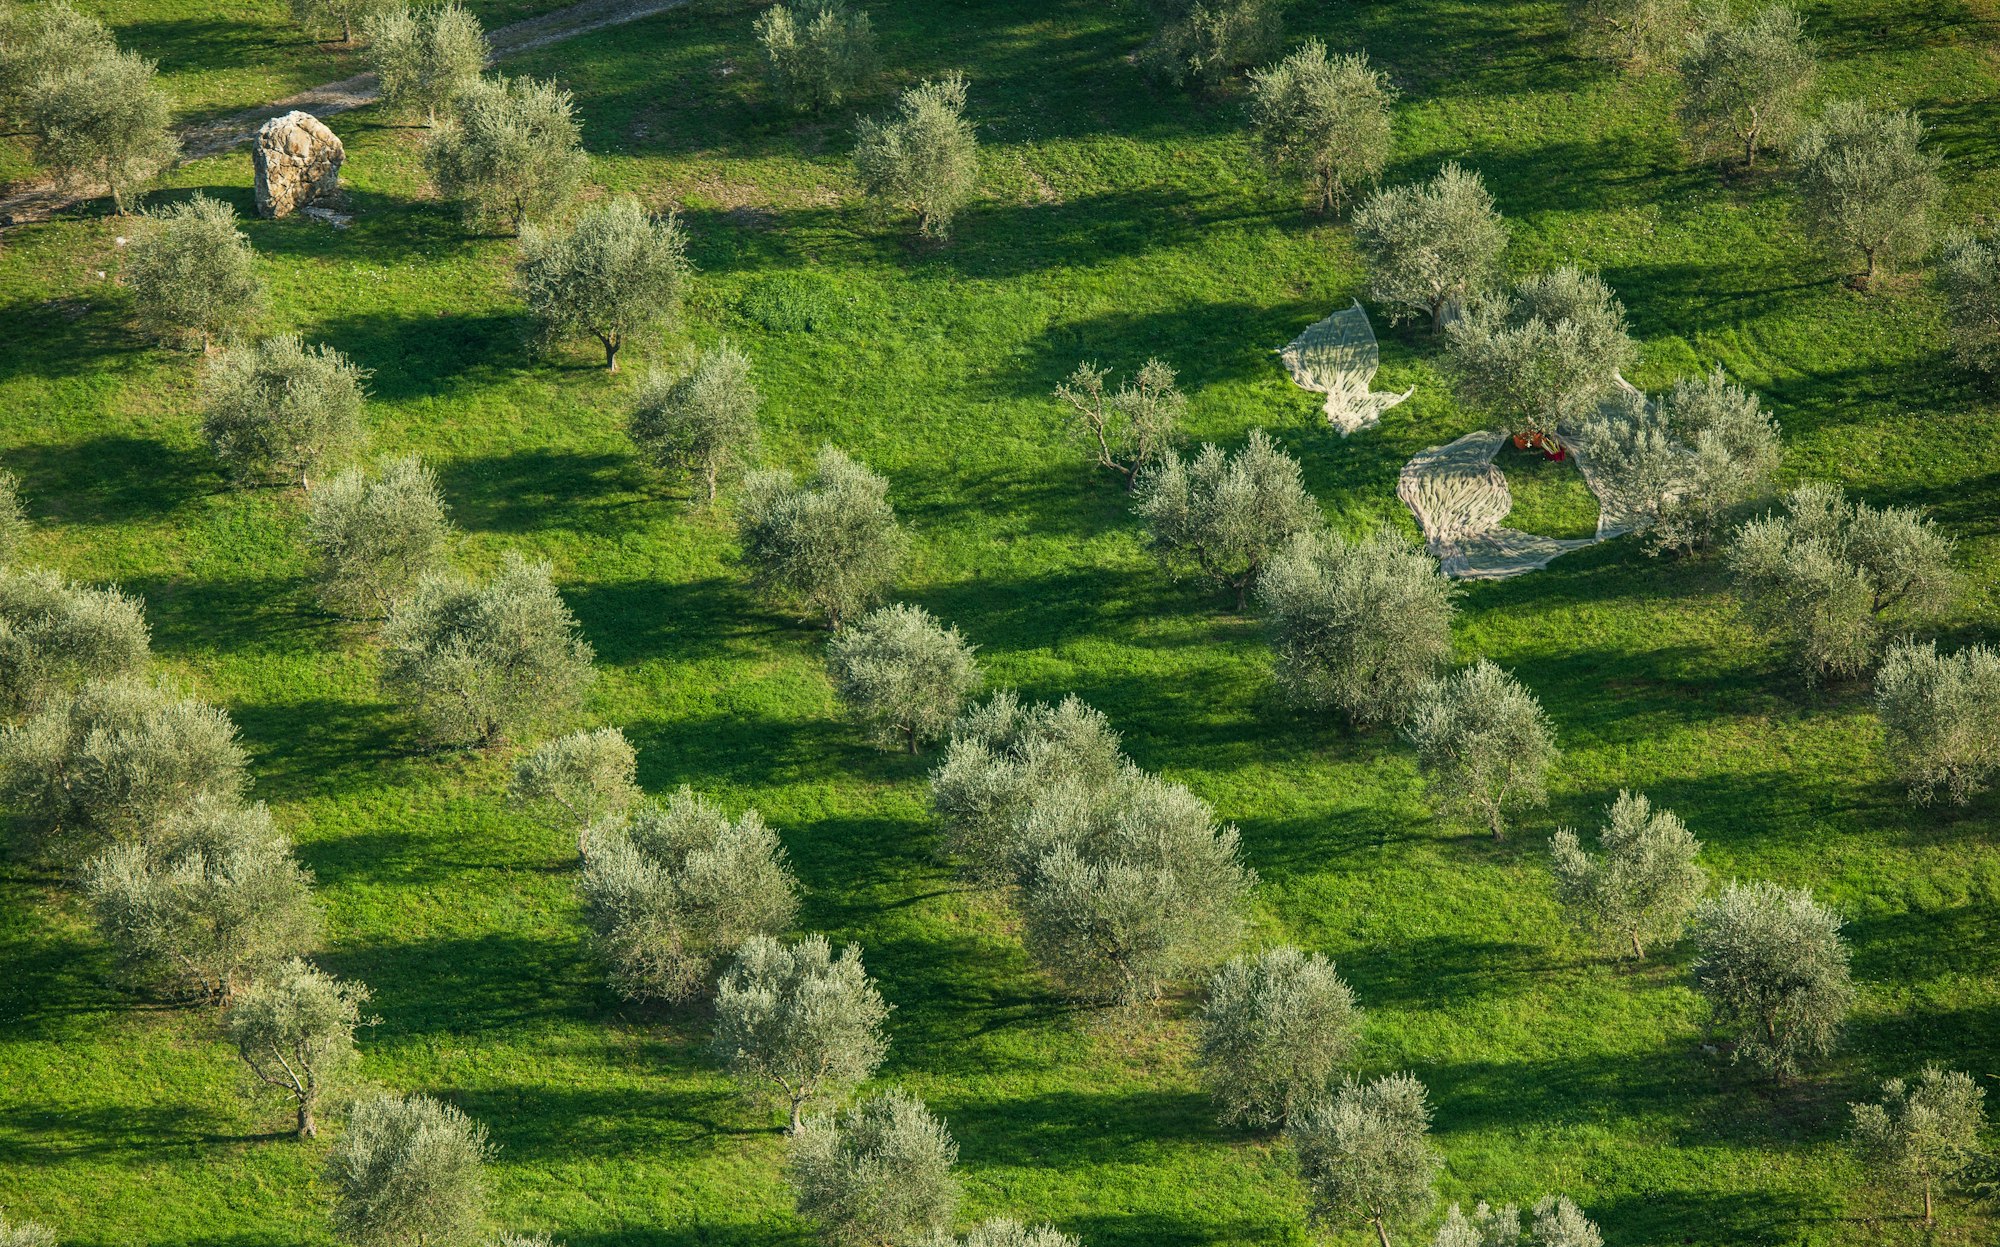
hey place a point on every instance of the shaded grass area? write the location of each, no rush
(1115, 222)
(1551, 498)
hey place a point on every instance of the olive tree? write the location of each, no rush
(408, 1170)
(1128, 889)
(1774, 971)
(117, 759)
(427, 56)
(102, 122)
(1541, 358)
(56, 635)
(831, 542)
(1825, 575)
(1222, 516)
(510, 151)
(817, 52)
(1002, 756)
(1361, 627)
(1483, 744)
(25, 1234)
(1926, 1132)
(192, 272)
(294, 1027)
(701, 421)
(1640, 35)
(280, 409)
(1867, 185)
(1939, 720)
(1968, 275)
(1431, 247)
(575, 780)
(1744, 80)
(1325, 119)
(924, 159)
(1276, 1027)
(348, 16)
(1644, 884)
(39, 41)
(795, 1022)
(481, 662)
(1131, 427)
(1007, 1232)
(670, 890)
(902, 674)
(880, 1173)
(617, 272)
(14, 525)
(1365, 1153)
(375, 536)
(1202, 43)
(1556, 1222)
(206, 916)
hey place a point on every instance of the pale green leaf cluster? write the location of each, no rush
(374, 536)
(14, 525)
(102, 121)
(280, 409)
(1483, 744)
(1640, 35)
(1744, 80)
(1324, 119)
(573, 781)
(1131, 427)
(1968, 275)
(1941, 718)
(426, 56)
(193, 273)
(57, 635)
(1203, 43)
(1431, 247)
(701, 421)
(1541, 359)
(1275, 1029)
(1926, 1132)
(1556, 1222)
(1221, 516)
(408, 1172)
(831, 542)
(616, 272)
(44, 40)
(25, 1234)
(1774, 971)
(795, 1023)
(880, 1173)
(818, 53)
(1365, 1154)
(294, 1029)
(1642, 886)
(1867, 184)
(924, 159)
(902, 674)
(510, 151)
(346, 16)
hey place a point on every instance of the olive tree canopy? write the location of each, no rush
(1222, 516)
(280, 409)
(902, 674)
(924, 159)
(830, 542)
(1276, 1027)
(1431, 247)
(1743, 80)
(425, 56)
(1774, 971)
(57, 635)
(797, 1023)
(192, 272)
(510, 151)
(1325, 119)
(700, 421)
(880, 1173)
(408, 1171)
(617, 272)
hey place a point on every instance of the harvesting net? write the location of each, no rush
(1338, 357)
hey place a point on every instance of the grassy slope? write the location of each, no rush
(1116, 223)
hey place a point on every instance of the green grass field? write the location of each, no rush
(1115, 221)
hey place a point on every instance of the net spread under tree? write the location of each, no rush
(1338, 357)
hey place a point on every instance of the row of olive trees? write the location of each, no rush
(96, 116)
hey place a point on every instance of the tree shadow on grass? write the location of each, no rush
(1432, 970)
(1072, 1129)
(633, 622)
(112, 479)
(435, 356)
(473, 985)
(595, 495)
(73, 335)
(129, 1134)
(323, 747)
(540, 1122)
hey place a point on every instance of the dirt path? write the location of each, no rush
(37, 201)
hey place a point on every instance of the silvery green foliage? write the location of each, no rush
(1939, 718)
(102, 121)
(348, 16)
(1541, 359)
(192, 272)
(701, 421)
(902, 674)
(294, 1029)
(375, 536)
(478, 663)
(1968, 274)
(1774, 971)
(56, 635)
(1002, 756)
(1201, 43)
(1483, 744)
(43, 40)
(1132, 426)
(1126, 889)
(279, 409)
(672, 889)
(818, 52)
(1325, 119)
(831, 542)
(228, 901)
(1431, 247)
(510, 151)
(1276, 1027)
(1365, 1153)
(26, 1234)
(924, 160)
(118, 760)
(618, 271)
(1640, 35)
(1926, 1133)
(794, 1023)
(1487, 1226)
(880, 1173)
(1867, 184)
(1560, 1223)
(408, 1170)
(1744, 81)
(1643, 885)
(426, 56)
(522, 1240)
(1007, 1232)
(575, 780)
(1731, 450)
(1360, 627)
(14, 526)
(1825, 575)
(1221, 516)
